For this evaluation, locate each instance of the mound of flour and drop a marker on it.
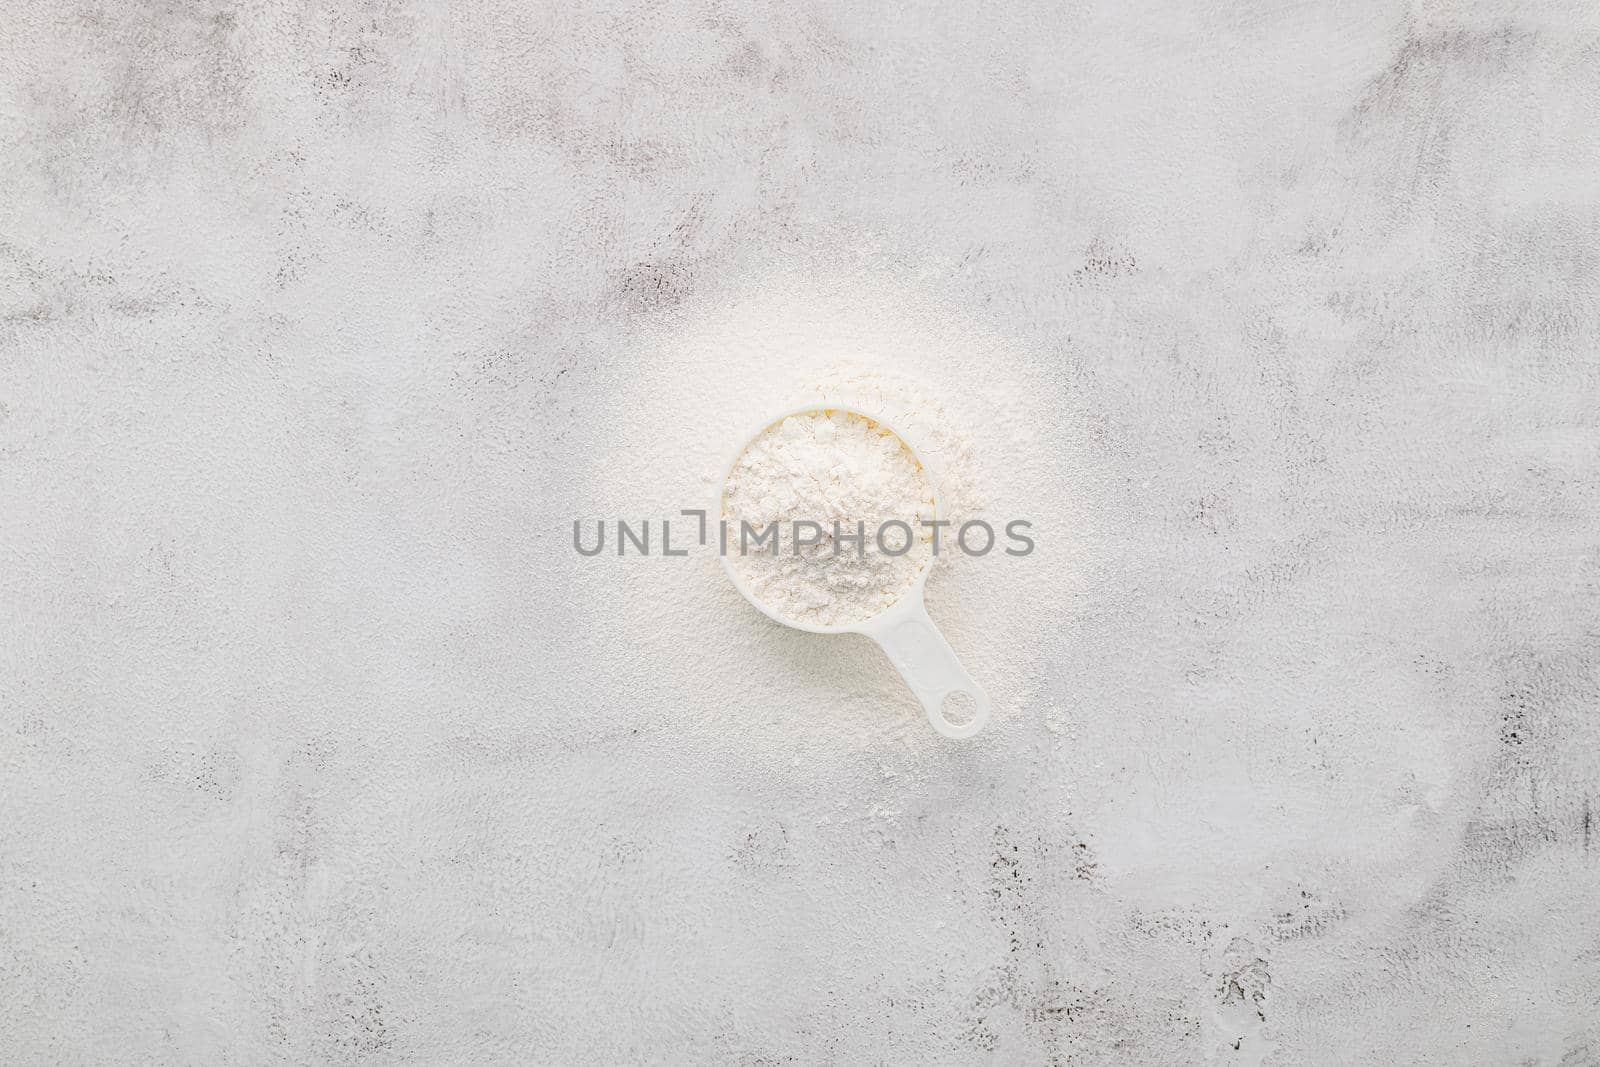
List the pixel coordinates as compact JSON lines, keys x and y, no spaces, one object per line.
{"x":822,"y":467}
{"x":939,"y":434}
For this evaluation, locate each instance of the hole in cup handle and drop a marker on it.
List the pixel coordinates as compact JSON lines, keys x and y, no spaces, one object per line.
{"x":969,"y":724}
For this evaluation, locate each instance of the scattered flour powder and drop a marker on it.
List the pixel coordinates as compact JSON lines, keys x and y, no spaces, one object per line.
{"x":827,"y":466}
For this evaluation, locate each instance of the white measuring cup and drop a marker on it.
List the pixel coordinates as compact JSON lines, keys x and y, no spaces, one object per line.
{"x":903,"y":629}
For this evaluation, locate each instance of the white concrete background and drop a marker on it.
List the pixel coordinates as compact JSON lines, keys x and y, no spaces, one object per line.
{"x":322,"y":321}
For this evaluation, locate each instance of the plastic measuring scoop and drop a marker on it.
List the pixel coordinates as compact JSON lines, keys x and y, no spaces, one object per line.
{"x":903,"y":629}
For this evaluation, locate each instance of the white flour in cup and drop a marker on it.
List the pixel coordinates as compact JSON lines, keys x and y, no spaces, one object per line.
{"x":827,"y":467}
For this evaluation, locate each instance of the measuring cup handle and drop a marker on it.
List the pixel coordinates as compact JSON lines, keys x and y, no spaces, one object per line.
{"x":929,"y":665}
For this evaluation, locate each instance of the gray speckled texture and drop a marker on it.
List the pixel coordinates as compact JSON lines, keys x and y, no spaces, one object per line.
{"x":319,"y":322}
